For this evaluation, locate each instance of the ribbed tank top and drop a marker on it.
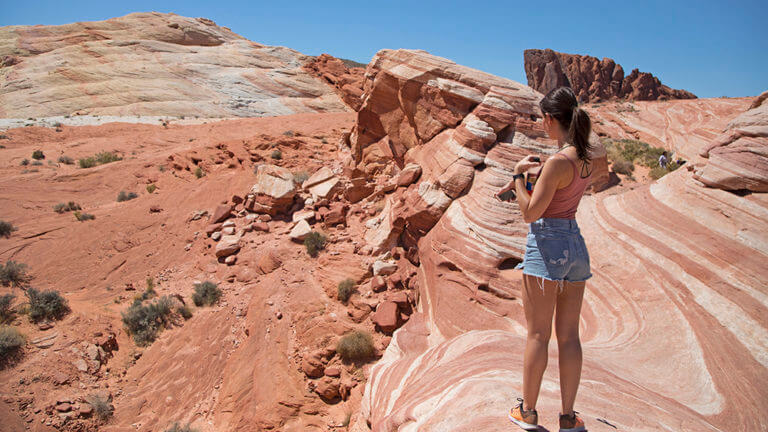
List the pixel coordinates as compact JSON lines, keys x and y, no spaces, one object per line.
{"x":566,"y":200}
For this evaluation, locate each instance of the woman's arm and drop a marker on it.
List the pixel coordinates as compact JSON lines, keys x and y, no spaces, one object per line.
{"x":533,"y":206}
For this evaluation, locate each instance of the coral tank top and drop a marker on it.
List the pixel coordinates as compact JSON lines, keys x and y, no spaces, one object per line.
{"x":566,"y":200}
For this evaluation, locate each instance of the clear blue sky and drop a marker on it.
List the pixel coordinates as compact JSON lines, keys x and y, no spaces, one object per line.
{"x":712,"y":48}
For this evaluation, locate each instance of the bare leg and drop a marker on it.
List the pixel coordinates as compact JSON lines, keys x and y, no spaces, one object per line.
{"x":568,"y":342}
{"x":539,"y":306}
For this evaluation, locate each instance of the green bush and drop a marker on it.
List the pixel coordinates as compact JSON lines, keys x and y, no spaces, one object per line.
{"x":288,"y":133}
{"x":145,"y":321}
{"x":6,"y":228}
{"x":659,"y":172}
{"x":345,"y":290}
{"x":101,"y":406}
{"x":36,"y":163}
{"x":126,"y":196}
{"x":47,"y":304}
{"x":314,"y":242}
{"x":13,"y":274}
{"x":11,"y":340}
{"x":277,"y":154}
{"x":355,"y":346}
{"x":300,"y":177}
{"x":84,"y":216}
{"x":199,"y":172}
{"x":151,"y":188}
{"x":184,"y":311}
{"x":37,"y":155}
{"x":70,"y":206}
{"x":6,"y":308}
{"x":622,"y":166}
{"x":25,"y":162}
{"x":66,"y":160}
{"x":178,"y":428}
{"x":206,"y":294}
{"x":99,"y":159}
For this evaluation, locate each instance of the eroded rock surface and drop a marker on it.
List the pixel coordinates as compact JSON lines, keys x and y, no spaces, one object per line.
{"x":593,"y":79}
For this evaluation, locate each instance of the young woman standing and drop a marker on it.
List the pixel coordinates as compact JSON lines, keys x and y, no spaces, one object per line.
{"x":556,"y":263}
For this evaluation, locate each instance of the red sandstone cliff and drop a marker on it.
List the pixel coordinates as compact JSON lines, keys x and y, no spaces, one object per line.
{"x":593,"y":79}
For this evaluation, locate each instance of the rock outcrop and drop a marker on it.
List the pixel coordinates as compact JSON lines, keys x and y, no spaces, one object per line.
{"x":347,"y":81}
{"x":738,"y":159}
{"x":592,"y":79}
{"x":153,"y":64}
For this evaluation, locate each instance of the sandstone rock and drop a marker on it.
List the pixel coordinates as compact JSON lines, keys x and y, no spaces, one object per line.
{"x":336,"y":215}
{"x":212,"y":228}
{"x":333,"y":372}
{"x":260,"y":226}
{"x":306,"y":215}
{"x":347,"y":81}
{"x":230,"y":260}
{"x":328,"y":389}
{"x":244,"y":274}
{"x":274,"y":190}
{"x":234,"y":77}
{"x":409,"y":174}
{"x":326,"y":189}
{"x":387,"y":316}
{"x":592,"y":79}
{"x":228,"y":224}
{"x":358,"y":189}
{"x":312,"y":366}
{"x":383,"y":268}
{"x":228,"y":245}
{"x":378,"y":284}
{"x":216,"y":236}
{"x":321,"y":175}
{"x":64,"y":407}
{"x":228,"y":231}
{"x":221,"y":213}
{"x":300,"y":231}
{"x":267,"y":262}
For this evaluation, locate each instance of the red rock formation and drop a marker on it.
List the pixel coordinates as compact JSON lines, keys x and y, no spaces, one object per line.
{"x":347,"y":81}
{"x":593,"y":79}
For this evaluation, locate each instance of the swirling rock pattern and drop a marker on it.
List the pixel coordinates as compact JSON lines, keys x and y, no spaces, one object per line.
{"x":674,"y":320}
{"x":152,"y":64}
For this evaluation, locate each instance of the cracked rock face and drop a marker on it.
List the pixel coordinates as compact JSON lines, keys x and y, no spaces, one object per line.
{"x":153,"y":64}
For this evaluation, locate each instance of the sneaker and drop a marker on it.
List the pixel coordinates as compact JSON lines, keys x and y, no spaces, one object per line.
{"x":571,"y":423}
{"x":528,"y":420}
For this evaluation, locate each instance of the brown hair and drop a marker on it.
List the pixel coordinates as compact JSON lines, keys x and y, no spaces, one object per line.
{"x":561,"y":104}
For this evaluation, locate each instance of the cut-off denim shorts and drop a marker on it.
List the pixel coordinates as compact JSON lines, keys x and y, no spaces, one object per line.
{"x":555,"y":251}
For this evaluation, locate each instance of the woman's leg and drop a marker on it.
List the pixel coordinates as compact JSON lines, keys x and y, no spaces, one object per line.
{"x":568,"y":343}
{"x":539,"y":305}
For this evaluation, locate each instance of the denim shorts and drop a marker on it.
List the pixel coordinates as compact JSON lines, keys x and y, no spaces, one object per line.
{"x":555,"y":250}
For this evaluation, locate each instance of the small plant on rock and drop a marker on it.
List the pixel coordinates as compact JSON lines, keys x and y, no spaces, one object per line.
{"x":151,"y":188}
{"x":82,"y":217}
{"x":24,"y":162}
{"x":355,"y":346}
{"x":101,"y":406}
{"x":300,"y":177}
{"x":345,"y":290}
{"x":126,"y":196}
{"x":288,"y":133}
{"x":145,"y":321}
{"x":276,"y":154}
{"x":6,"y":308}
{"x":206,"y":294}
{"x":622,"y":166}
{"x":47,"y":304}
{"x":66,"y":160}
{"x":37,"y":155}
{"x":199,"y":172}
{"x":11,"y":341}
{"x":70,"y":206}
{"x":6,"y":228}
{"x":314,"y":242}
{"x":13,"y":274}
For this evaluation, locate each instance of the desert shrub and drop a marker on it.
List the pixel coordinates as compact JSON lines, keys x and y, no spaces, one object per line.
{"x":151,"y":188}
{"x":345,"y":290}
{"x":70,"y":206}
{"x":314,"y":242}
{"x":357,"y":345}
{"x":276,"y":154}
{"x":206,"y":294}
{"x":36,"y":163}
{"x":144,"y":321}
{"x":288,"y":133}
{"x":6,"y":228}
{"x":199,"y":172}
{"x":6,"y":308}
{"x":324,"y":141}
{"x":101,"y":406}
{"x":84,"y":216}
{"x":48,"y":304}
{"x":100,"y":158}
{"x":57,"y":125}
{"x":161,"y":168}
{"x":37,"y":155}
{"x":184,"y":311}
{"x":88,"y":162}
{"x":126,"y":196}
{"x":622,"y":166}
{"x":300,"y":177}
{"x":13,"y":274}
{"x":66,"y":160}
{"x":24,"y":162}
{"x":11,"y":340}
{"x":658,"y":172}
{"x":178,"y":428}
{"x":3,"y":136}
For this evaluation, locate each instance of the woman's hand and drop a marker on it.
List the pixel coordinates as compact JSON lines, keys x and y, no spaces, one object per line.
{"x":527,"y":163}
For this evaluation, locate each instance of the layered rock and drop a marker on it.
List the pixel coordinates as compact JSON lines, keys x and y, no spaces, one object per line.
{"x":273,"y":192}
{"x":593,"y":79}
{"x":738,"y":159}
{"x":152,"y":64}
{"x":347,"y":81}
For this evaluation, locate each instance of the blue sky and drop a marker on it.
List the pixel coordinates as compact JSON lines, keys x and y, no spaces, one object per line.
{"x":712,"y":48}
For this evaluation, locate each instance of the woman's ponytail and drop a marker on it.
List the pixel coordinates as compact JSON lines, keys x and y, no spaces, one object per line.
{"x":561,"y":103}
{"x":578,"y":132}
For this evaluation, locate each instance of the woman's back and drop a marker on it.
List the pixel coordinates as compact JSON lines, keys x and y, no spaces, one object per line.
{"x":566,"y":200}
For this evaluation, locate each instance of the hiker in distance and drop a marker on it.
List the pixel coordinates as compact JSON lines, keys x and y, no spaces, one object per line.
{"x":556,"y":263}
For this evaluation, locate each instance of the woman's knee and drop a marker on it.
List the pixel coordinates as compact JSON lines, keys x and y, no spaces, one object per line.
{"x":568,"y":337}
{"x":539,"y":335}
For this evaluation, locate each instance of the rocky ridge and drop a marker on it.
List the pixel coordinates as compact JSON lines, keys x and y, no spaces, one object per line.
{"x":592,"y":79}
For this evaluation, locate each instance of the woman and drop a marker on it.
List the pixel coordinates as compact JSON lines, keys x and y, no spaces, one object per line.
{"x":556,"y":263}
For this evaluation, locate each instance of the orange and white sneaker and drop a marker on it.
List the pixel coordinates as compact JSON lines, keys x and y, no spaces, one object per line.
{"x":528,"y":420}
{"x":571,"y":423}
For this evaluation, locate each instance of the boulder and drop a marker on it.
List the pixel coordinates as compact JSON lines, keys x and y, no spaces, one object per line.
{"x":381,"y":267}
{"x":337,"y":214}
{"x":387,"y":316}
{"x":312,"y":366}
{"x":409,"y":174}
{"x":274,"y":190}
{"x":321,"y":175}
{"x":228,"y":245}
{"x":210,"y":229}
{"x":378,"y":284}
{"x":328,"y":389}
{"x":306,"y":215}
{"x":221,"y":213}
{"x":300,"y":231}
{"x":358,"y":189}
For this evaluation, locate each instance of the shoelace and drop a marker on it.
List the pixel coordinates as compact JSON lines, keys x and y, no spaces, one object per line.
{"x":520,"y":400}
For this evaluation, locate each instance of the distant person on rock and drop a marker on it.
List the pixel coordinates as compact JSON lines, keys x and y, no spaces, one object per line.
{"x":663,"y":160}
{"x":556,"y":263}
